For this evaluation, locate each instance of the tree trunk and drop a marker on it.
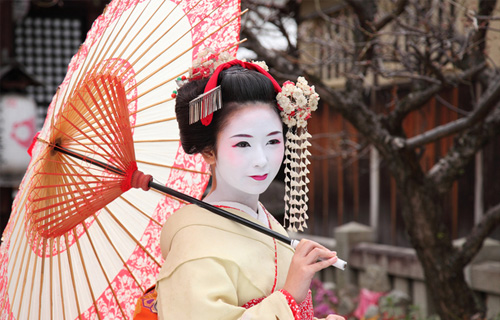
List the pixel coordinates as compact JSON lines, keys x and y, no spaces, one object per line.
{"x":445,"y":281}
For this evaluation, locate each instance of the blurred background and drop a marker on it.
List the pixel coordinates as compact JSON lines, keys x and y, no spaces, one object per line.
{"x":405,"y":147}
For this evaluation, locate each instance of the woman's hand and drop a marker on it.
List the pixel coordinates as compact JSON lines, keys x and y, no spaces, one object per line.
{"x":309,"y":258}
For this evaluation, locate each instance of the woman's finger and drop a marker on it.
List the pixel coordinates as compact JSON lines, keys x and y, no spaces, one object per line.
{"x":306,"y":245}
{"x":312,"y":251}
{"x":321,"y":254}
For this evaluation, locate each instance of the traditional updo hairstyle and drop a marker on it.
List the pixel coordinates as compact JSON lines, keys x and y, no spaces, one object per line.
{"x":239,"y":86}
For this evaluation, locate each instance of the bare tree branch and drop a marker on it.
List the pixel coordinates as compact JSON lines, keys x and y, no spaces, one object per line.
{"x":416,"y":100}
{"x":488,"y":101}
{"x":351,"y":107}
{"x":476,"y":237}
{"x":449,"y":168}
{"x":389,"y":17}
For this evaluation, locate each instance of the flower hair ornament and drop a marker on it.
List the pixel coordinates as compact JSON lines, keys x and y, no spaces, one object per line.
{"x":296,"y":101}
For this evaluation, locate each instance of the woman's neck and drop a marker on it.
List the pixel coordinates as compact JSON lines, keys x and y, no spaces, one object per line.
{"x":220,"y":195}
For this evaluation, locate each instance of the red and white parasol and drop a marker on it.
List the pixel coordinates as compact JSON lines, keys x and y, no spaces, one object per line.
{"x":80,"y":242}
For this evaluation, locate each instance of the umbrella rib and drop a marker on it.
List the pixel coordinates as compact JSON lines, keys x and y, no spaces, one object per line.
{"x":60,"y":275}
{"x":103,"y":270}
{"x":81,"y":157}
{"x":141,"y":211}
{"x":171,"y":167}
{"x":170,"y":196}
{"x":24,"y":197}
{"x":110,"y":126}
{"x":68,"y":183}
{"x":24,"y":280}
{"x":177,"y":40}
{"x":64,"y":174}
{"x":73,"y":199}
{"x":102,"y":53}
{"x":41,"y":278}
{"x":56,"y":225}
{"x":131,"y":236}
{"x":33,"y":277}
{"x":98,"y":163}
{"x":72,"y":274}
{"x":51,"y":282}
{"x":135,"y":36}
{"x":146,"y":37}
{"x":159,"y":102}
{"x":120,"y":31}
{"x":125,"y":135}
{"x":153,"y":122}
{"x":24,"y":251}
{"x":178,"y":75}
{"x":96,"y":54}
{"x":157,"y":140}
{"x":94,"y":302}
{"x":93,"y":141}
{"x":182,"y":53}
{"x":117,"y":252}
{"x":160,"y":37}
{"x":95,"y":162}
{"x":114,"y":125}
{"x":89,"y":108}
{"x":15,"y":243}
{"x":89,"y":125}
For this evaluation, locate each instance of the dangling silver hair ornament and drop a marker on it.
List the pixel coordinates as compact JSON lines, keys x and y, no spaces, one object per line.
{"x":297,"y":101}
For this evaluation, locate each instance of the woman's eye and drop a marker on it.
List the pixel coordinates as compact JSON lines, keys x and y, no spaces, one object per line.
{"x":274,"y":141}
{"x":242,"y":144}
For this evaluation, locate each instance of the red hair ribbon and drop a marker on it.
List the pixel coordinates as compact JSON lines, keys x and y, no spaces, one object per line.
{"x":212,"y":82}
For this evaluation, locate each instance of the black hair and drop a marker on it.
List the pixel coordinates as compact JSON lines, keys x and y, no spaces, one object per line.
{"x":239,"y":86}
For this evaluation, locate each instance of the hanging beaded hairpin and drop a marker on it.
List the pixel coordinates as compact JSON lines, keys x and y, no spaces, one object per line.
{"x":296,"y":102}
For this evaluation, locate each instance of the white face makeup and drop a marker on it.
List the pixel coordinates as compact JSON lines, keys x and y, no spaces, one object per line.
{"x":249,"y":153}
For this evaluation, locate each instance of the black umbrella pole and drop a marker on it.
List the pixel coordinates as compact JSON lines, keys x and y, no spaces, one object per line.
{"x":221,"y":212}
{"x":340,"y":264}
{"x":185,"y":197}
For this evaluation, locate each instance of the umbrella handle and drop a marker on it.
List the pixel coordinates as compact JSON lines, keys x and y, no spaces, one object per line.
{"x":340,"y":264}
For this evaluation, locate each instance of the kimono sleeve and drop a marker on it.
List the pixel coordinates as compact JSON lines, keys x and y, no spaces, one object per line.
{"x":206,"y":289}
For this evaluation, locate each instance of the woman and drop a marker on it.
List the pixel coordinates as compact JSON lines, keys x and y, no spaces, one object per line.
{"x":215,"y":268}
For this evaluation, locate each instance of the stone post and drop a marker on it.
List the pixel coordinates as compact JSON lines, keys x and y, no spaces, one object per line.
{"x":347,"y":237}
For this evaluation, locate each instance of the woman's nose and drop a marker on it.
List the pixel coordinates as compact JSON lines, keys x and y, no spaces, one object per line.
{"x":260,"y":158}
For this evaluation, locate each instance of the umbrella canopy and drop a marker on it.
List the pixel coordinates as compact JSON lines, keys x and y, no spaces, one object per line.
{"x":80,"y":242}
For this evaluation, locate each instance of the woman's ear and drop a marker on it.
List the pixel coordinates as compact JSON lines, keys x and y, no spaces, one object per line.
{"x":209,"y":156}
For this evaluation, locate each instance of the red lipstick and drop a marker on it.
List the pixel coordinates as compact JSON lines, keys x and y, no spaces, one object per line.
{"x":259,"y":178}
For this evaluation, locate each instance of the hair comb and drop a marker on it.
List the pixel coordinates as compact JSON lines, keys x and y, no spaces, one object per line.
{"x":205,"y":104}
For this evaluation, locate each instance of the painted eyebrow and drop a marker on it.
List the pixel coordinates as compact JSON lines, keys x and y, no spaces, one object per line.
{"x":274,"y":133}
{"x":250,"y":136}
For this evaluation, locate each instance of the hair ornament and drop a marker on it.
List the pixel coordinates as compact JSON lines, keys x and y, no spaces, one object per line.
{"x":206,"y":110}
{"x":296,"y":102}
{"x":207,"y":61}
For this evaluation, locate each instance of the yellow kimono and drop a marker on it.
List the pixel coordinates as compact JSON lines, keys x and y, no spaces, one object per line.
{"x":214,"y":266}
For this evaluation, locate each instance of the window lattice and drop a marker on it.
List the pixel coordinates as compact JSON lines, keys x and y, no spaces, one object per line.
{"x":45,"y":47}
